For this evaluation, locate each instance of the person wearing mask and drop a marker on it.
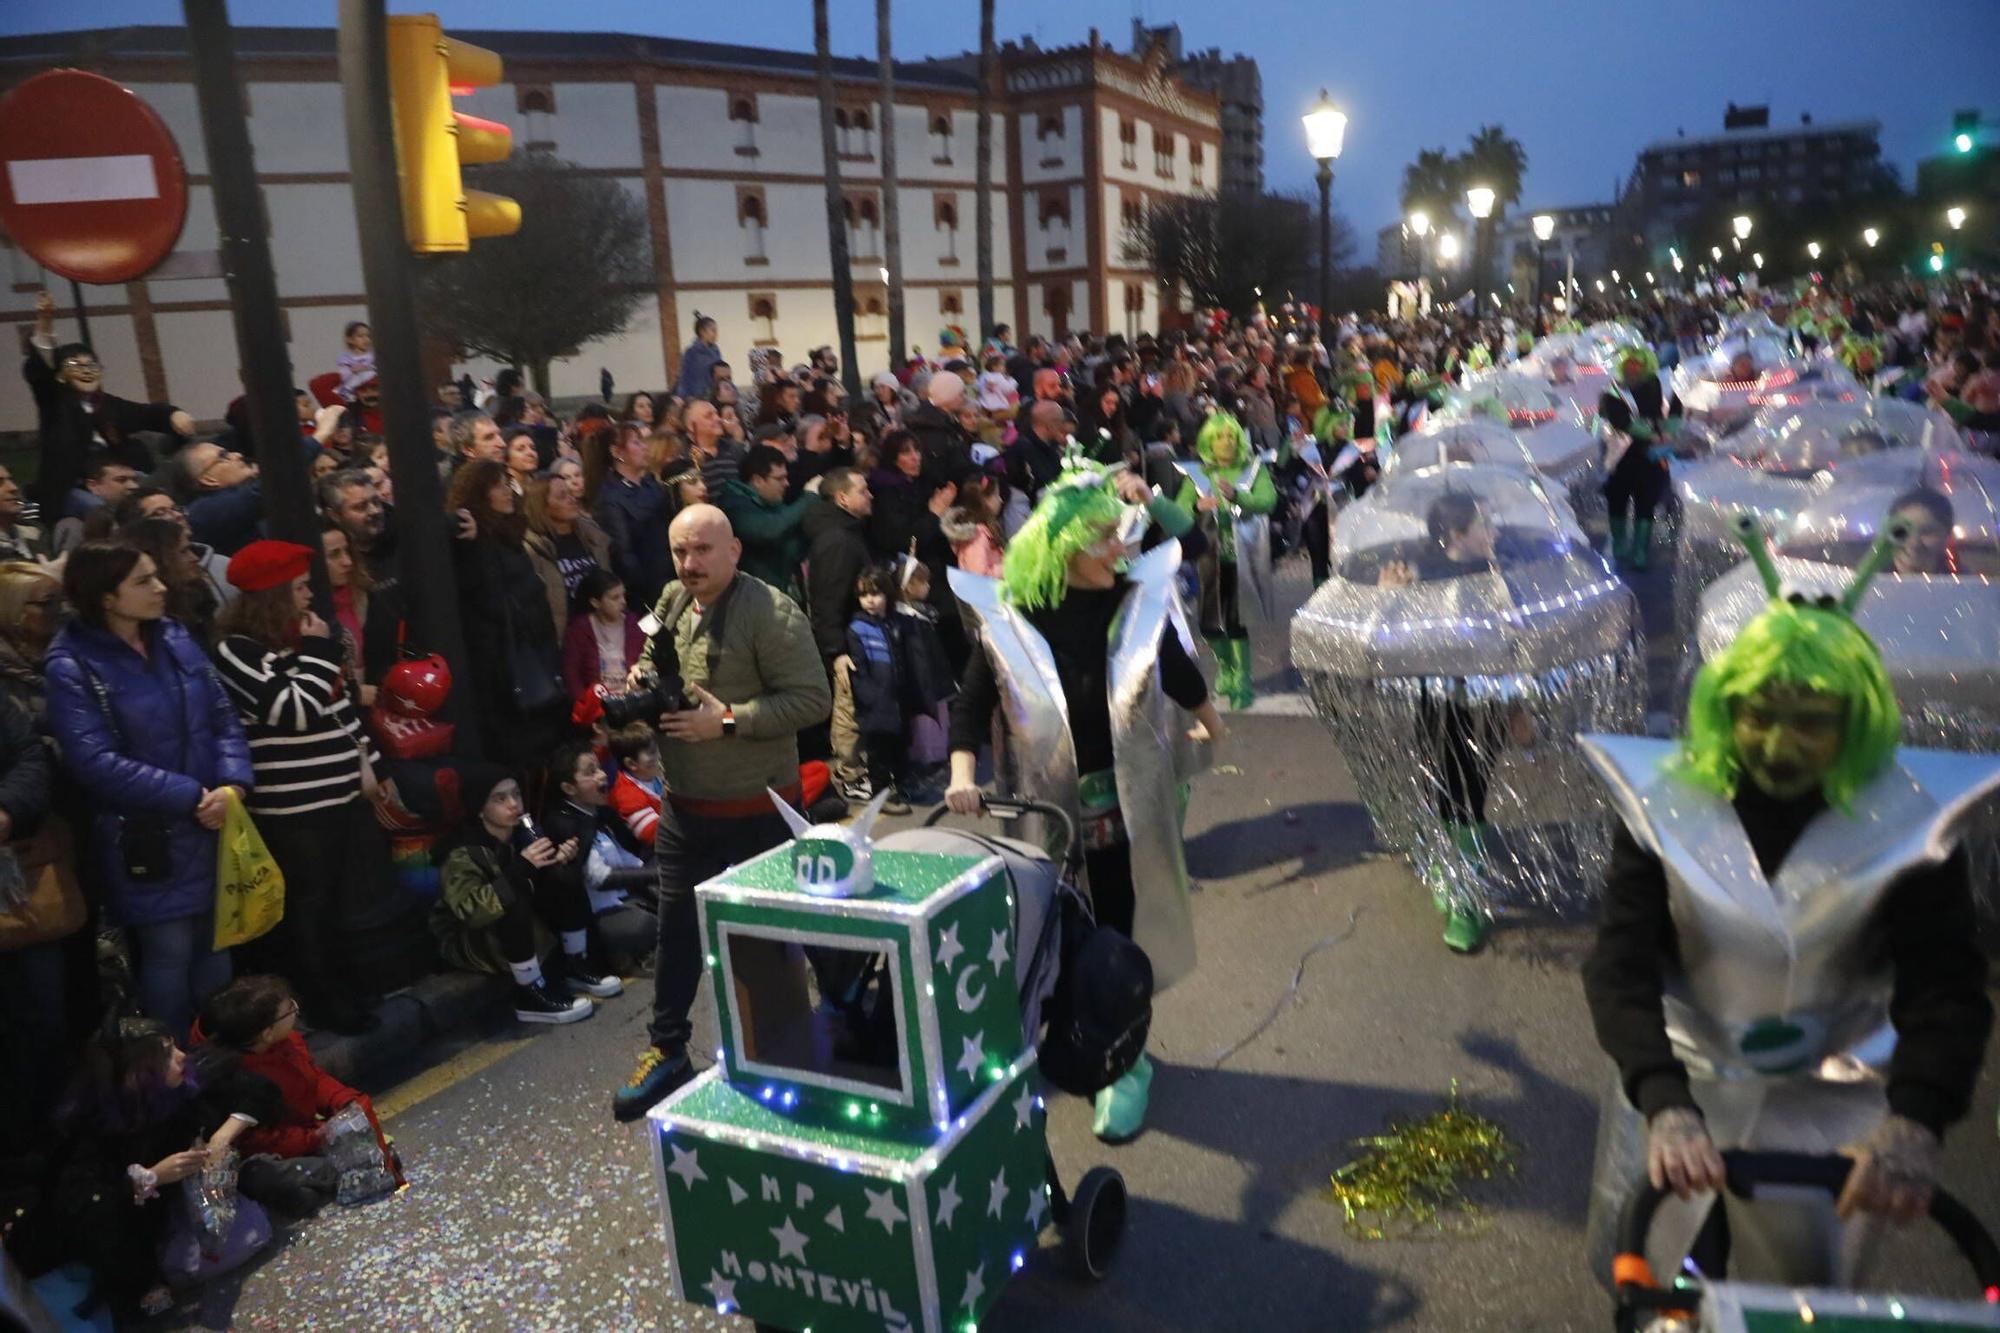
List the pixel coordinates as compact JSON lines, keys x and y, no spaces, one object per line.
{"x":564,"y":542}
{"x":631,"y":508}
{"x":839,"y":552}
{"x":753,"y":681}
{"x":144,"y":724}
{"x":315,"y":770}
{"x":770,"y":527}
{"x":511,"y":635}
{"x":698,"y":360}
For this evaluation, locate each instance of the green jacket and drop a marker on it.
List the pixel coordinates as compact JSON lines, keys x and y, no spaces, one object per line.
{"x":774,"y":543}
{"x":1260,"y":497}
{"x":472,"y":899}
{"x":766,"y":668}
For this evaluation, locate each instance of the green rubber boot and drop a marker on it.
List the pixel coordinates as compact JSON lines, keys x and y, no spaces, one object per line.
{"x":1464,"y":930}
{"x":1642,"y":541}
{"x":1121,"y":1108}
{"x":1246,"y":672}
{"x":1621,"y":537}
{"x":1225,"y":670}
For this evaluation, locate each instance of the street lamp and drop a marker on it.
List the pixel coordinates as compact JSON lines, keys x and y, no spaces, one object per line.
{"x":1757,"y":259}
{"x":1740,"y":224}
{"x":1715,"y":253}
{"x":1812,"y":249}
{"x":1479,"y":199}
{"x":1420,"y":227}
{"x":1871,"y":236}
{"x":1326,"y":131}
{"x":1448,"y":247}
{"x":1955,"y":216}
{"x":1545,"y":227}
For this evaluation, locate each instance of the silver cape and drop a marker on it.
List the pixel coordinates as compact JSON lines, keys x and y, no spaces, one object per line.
{"x":1253,"y":537}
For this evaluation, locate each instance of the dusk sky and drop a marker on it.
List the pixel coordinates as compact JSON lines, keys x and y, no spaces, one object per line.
{"x":1581,"y":83}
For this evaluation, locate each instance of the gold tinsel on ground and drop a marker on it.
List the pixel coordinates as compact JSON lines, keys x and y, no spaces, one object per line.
{"x":1408,"y":1179}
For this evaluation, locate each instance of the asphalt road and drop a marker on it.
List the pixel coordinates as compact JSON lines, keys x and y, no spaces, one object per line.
{"x":1324,"y":1003}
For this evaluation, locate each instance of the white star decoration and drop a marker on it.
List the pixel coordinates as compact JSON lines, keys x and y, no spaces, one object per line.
{"x":724,"y":1289}
{"x":1024,"y":1107}
{"x":997,"y":1198}
{"x":737,"y":1194}
{"x":836,"y":1221}
{"x":948,"y":947}
{"x":996,"y":952}
{"x":975,"y":1287}
{"x":790,"y":1240}
{"x":1038,"y":1207}
{"x":969,"y":1059}
{"x":686,"y":1167}
{"x":882,"y":1207}
{"x":948,"y":1202}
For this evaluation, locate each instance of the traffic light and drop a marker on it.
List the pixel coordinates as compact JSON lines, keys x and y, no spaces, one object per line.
{"x":1937,"y":257}
{"x":1964,"y":130}
{"x":433,"y":142}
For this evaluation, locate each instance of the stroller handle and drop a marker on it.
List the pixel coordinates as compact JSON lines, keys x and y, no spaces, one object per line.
{"x":1749,"y":1171}
{"x":1007,"y":808}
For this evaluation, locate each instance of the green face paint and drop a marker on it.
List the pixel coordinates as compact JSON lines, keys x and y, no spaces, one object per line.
{"x":1788,"y":738}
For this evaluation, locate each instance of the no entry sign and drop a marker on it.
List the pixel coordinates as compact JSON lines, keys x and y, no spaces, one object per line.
{"x":93,"y":185}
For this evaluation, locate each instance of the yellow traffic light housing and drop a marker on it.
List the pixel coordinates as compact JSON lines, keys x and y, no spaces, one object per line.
{"x":434,"y":142}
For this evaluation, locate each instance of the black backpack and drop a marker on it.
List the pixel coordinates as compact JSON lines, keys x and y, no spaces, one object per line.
{"x":1102,"y":1007}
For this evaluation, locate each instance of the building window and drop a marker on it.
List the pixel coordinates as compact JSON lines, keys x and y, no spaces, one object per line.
{"x":1128,"y":142}
{"x":864,"y":227}
{"x":764,"y":317}
{"x":1055,"y":225}
{"x":1049,"y":125}
{"x":944,"y":214}
{"x":743,"y":114}
{"x":951,"y":301}
{"x":1195,"y":162}
{"x":753,"y":218}
{"x":1132,"y":212}
{"x":941,"y":139}
{"x":1690,"y":180}
{"x":862,"y":143}
{"x":532,"y":99}
{"x":1055,"y":304}
{"x":871,"y":314}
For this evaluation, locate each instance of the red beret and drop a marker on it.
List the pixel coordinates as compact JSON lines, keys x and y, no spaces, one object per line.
{"x":268,"y":564}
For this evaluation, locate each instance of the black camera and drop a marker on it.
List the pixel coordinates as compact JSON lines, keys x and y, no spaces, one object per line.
{"x":644,"y":702}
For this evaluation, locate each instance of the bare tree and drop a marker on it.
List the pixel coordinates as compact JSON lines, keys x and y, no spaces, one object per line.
{"x":581,"y":263}
{"x":982,"y":208}
{"x":892,"y":211}
{"x":1225,"y":253}
{"x":836,"y":207}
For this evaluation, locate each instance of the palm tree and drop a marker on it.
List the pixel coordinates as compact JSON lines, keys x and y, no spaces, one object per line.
{"x":836,"y":208}
{"x":982,"y":207}
{"x":1431,"y":185}
{"x":892,"y":226}
{"x":1498,"y":162}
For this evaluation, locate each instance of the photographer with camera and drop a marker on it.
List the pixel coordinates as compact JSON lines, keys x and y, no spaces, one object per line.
{"x":731,"y":672}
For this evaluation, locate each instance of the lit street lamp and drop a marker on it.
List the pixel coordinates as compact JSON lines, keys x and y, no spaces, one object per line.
{"x":1955,"y":216}
{"x":1420,"y":227}
{"x":1715,"y":253}
{"x":1871,"y":236}
{"x":1326,"y":131}
{"x":1740,"y":224}
{"x":1545,"y":227}
{"x":1479,"y":200}
{"x":1448,"y":248}
{"x":1812,"y":249}
{"x":1757,"y":259}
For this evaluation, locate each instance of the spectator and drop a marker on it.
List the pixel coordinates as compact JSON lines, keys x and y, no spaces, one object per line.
{"x":733,"y":430}
{"x":349,"y":498}
{"x":934,"y":422}
{"x":880,"y":681}
{"x":356,"y":362}
{"x":906,"y":506}
{"x":511,"y":638}
{"x":746,"y":656}
{"x":106,"y":481}
{"x":474,"y":435}
{"x":152,"y":502}
{"x":564,"y":542}
{"x":370,"y":615}
{"x":78,"y":420}
{"x":604,"y":871}
{"x":838,"y":531}
{"x":770,"y":527}
{"x":521,"y":457}
{"x":18,"y":540}
{"x":884,"y":407}
{"x":632,"y":507}
{"x":717,"y":456}
{"x":603,"y":639}
{"x":143,"y":723}
{"x":1100,"y":426}
{"x":972,"y":527}
{"x":190,"y":599}
{"x":31,"y":611}
{"x":637,"y":793}
{"x":1034,"y":461}
{"x":779,"y":406}
{"x":35,"y":1045}
{"x":124,"y":1130}
{"x":641,"y":409}
{"x":685,"y":486}
{"x":222,"y":498}
{"x":998,"y":392}
{"x":499,"y":905}
{"x":696,"y":361}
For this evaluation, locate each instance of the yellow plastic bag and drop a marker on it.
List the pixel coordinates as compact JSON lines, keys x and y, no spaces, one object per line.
{"x":249,"y":887}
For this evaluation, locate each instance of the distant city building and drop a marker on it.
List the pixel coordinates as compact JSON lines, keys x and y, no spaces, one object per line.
{"x":722,"y":143}
{"x":1240,"y":86}
{"x":1583,"y":236}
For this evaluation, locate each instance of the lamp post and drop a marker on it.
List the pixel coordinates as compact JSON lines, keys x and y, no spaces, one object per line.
{"x":1545,"y":227}
{"x":1479,"y":199}
{"x":1955,"y":216}
{"x":1715,"y":253}
{"x":1812,"y":249}
{"x":1870,"y":235}
{"x":1326,"y":131}
{"x":1420,"y":227}
{"x":1448,"y":248}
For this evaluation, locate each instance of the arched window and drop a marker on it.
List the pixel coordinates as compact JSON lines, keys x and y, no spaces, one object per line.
{"x":754,"y":219}
{"x":743,"y":114}
{"x":945,"y":213}
{"x":941,"y":139}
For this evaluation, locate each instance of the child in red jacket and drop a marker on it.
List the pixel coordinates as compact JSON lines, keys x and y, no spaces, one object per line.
{"x":286,"y":1163}
{"x":639,"y":789}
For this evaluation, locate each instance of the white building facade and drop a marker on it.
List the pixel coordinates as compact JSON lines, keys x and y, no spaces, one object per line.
{"x":722,"y":145}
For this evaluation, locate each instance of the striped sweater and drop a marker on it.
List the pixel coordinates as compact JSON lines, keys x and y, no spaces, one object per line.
{"x":300,"y":718}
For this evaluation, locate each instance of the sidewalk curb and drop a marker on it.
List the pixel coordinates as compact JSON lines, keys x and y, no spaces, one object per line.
{"x":447,"y":1004}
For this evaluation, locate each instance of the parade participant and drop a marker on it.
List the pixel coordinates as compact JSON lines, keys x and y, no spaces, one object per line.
{"x":1786,"y":899}
{"x":1063,"y":614}
{"x":1636,"y":465}
{"x":1238,"y":527}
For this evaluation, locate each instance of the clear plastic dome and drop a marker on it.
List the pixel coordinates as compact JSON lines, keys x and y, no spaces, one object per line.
{"x":1524,"y":401}
{"x":1751,"y":324}
{"x":1452,"y":522}
{"x":1951,"y":500}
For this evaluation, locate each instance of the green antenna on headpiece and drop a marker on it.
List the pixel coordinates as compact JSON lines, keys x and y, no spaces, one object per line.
{"x":1751,"y":534}
{"x":1894,"y":535}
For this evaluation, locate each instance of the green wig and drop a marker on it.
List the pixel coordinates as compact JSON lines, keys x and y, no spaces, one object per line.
{"x":1332,"y":423}
{"x":1636,"y":352}
{"x":1853,"y":345}
{"x":1803,"y":645}
{"x":1075,"y":513}
{"x":1218,"y":427}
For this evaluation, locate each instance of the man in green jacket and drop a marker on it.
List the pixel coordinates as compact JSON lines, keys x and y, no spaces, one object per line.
{"x":753,"y":680}
{"x":774,"y":541}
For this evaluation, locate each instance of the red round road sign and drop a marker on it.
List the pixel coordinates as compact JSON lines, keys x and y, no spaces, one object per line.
{"x":91,"y":181}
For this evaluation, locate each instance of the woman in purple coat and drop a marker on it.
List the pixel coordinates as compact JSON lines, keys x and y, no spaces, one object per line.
{"x":146,"y":728}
